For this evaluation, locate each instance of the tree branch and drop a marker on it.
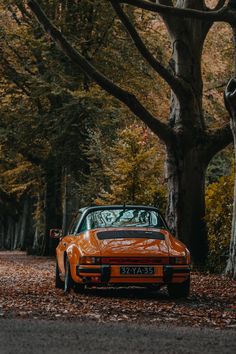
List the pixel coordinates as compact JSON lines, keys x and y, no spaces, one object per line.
{"x":172,"y":81}
{"x":220,"y":4}
{"x":224,"y":14}
{"x":11,"y":73}
{"x":230,"y":100}
{"x":166,"y":3}
{"x":163,"y":2}
{"x":217,"y":141}
{"x":162,"y":130}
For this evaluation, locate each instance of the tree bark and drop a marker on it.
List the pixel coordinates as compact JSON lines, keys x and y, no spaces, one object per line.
{"x":70,"y":199}
{"x":231,"y":264}
{"x":24,"y":224}
{"x":1,"y":235}
{"x":230,"y":102}
{"x":186,"y":165}
{"x":186,"y":205}
{"x":52,"y":204}
{"x":9,"y":233}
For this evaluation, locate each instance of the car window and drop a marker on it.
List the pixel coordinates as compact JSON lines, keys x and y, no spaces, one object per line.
{"x":122,"y":218}
{"x":73,"y":227}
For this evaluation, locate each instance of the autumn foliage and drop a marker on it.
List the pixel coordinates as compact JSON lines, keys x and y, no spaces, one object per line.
{"x":65,"y":143}
{"x":27,"y":291}
{"x":219,"y":203}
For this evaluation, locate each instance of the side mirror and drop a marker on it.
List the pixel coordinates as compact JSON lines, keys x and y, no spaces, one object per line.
{"x":55,"y":233}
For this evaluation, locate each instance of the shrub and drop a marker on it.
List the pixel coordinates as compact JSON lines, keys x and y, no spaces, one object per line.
{"x":219,"y":204}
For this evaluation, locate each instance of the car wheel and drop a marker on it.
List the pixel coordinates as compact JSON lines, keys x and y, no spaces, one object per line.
{"x":180,"y":290}
{"x":59,"y":284}
{"x":68,"y":283}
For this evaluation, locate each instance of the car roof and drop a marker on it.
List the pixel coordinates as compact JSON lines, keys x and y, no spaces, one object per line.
{"x":121,"y":206}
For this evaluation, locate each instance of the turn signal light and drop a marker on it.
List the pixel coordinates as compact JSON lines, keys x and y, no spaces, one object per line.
{"x":178,"y":260}
{"x":90,"y":260}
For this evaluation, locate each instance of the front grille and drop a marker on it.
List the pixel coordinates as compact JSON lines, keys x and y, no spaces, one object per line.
{"x":135,"y":260}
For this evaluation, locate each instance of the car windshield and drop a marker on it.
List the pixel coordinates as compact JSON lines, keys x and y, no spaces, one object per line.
{"x":122,"y":218}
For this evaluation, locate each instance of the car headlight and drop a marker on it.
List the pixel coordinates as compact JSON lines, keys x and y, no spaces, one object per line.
{"x":178,"y":260}
{"x":90,"y":260}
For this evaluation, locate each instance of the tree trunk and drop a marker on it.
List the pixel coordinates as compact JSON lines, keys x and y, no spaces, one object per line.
{"x":2,"y":233}
{"x":231,"y":264}
{"x":35,"y":249}
{"x":16,"y":242}
{"x":52,"y":204}
{"x":70,"y":199}
{"x":10,"y":233}
{"x":186,"y":207}
{"x":24,"y":224}
{"x":230,"y":102}
{"x":185,"y":166}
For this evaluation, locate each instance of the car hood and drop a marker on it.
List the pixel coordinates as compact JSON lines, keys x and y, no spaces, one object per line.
{"x":128,"y":242}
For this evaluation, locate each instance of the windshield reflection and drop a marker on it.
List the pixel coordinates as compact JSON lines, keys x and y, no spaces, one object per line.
{"x":122,"y":218}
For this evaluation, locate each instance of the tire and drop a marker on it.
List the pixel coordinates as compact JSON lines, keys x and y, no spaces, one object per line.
{"x":59,"y":284}
{"x":181,"y":290}
{"x":68,"y":283}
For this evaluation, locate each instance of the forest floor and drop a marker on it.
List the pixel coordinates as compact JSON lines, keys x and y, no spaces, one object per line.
{"x":27,"y":291}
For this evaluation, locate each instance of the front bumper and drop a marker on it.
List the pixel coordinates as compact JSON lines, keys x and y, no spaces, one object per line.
{"x":104,"y":274}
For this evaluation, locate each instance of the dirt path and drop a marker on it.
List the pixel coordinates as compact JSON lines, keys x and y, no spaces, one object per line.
{"x":27,"y":291}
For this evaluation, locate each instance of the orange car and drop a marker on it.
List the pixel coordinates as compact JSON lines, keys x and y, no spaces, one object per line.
{"x":121,"y":245}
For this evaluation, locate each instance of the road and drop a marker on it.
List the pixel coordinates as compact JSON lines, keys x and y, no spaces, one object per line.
{"x":43,"y":336}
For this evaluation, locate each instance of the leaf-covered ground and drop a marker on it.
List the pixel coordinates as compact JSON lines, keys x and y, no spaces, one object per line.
{"x":27,"y":291}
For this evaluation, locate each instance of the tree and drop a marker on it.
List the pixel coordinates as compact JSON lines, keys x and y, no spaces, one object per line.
{"x":230,"y":102}
{"x":189,"y":142}
{"x":50,"y":109}
{"x":134,"y":169}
